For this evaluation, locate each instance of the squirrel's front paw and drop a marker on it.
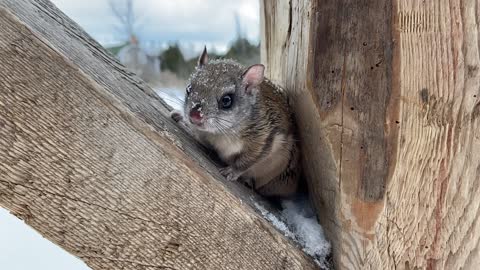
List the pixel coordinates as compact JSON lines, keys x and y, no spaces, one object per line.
{"x":176,"y":115}
{"x":230,"y":173}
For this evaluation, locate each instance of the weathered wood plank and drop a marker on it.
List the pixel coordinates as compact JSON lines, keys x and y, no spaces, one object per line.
{"x":89,"y":158}
{"x":390,"y":92}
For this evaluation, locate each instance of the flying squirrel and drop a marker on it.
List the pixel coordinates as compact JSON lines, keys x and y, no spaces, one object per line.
{"x":247,"y":121}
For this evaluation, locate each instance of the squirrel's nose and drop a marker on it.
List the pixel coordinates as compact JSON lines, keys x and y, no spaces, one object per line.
{"x":196,"y":115}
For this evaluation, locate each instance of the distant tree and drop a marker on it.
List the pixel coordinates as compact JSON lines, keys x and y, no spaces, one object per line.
{"x":241,"y":49}
{"x":172,"y":59}
{"x":244,"y":52}
{"x":127,"y":20}
{"x":130,"y":53}
{"x":238,"y":26}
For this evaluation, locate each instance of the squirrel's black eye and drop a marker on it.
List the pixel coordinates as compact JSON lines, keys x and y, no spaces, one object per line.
{"x":226,"y":101}
{"x":189,"y":89}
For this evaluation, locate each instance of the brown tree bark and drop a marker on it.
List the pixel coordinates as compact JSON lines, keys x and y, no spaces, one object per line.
{"x":90,"y":159}
{"x":388,"y":104}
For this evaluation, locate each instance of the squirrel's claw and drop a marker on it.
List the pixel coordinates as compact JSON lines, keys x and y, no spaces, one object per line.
{"x":230,"y":173}
{"x":176,"y":115}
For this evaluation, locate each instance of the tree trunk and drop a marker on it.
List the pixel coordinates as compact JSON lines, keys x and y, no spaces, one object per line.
{"x":388,"y":105}
{"x":90,"y":159}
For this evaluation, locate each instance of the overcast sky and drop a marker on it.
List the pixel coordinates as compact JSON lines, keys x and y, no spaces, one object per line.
{"x":22,"y":248}
{"x":193,"y":22}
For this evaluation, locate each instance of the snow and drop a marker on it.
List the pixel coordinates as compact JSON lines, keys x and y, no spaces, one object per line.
{"x":298,"y":222}
{"x":276,"y":222}
{"x":301,"y":218}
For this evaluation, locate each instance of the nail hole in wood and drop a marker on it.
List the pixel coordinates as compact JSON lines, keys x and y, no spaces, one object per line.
{"x":424,"y":95}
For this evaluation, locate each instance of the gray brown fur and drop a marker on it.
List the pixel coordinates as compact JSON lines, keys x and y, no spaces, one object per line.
{"x":256,"y":138}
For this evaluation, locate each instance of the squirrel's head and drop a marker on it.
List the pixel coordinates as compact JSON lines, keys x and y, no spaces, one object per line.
{"x":221,"y":94}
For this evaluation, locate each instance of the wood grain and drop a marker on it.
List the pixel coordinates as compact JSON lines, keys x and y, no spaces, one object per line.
{"x":390,"y":95}
{"x":90,"y":159}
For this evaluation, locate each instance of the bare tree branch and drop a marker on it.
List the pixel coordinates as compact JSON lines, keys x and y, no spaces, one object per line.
{"x":127,"y":20}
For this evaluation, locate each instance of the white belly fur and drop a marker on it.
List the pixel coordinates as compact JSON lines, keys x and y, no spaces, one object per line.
{"x":226,"y":146}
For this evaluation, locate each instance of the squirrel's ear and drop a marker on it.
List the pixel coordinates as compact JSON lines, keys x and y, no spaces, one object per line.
{"x":203,"y":59}
{"x":253,"y":76}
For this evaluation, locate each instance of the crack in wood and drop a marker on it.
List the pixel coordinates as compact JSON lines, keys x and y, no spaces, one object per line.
{"x":342,"y":85}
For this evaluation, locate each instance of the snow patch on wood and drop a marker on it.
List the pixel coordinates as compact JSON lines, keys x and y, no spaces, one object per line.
{"x":298,"y":222}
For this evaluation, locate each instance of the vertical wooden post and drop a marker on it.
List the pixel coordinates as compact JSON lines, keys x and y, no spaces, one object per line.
{"x":388,"y":103}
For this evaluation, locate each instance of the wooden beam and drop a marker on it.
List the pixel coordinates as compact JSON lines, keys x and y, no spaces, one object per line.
{"x":90,"y":159}
{"x":389,"y":93}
